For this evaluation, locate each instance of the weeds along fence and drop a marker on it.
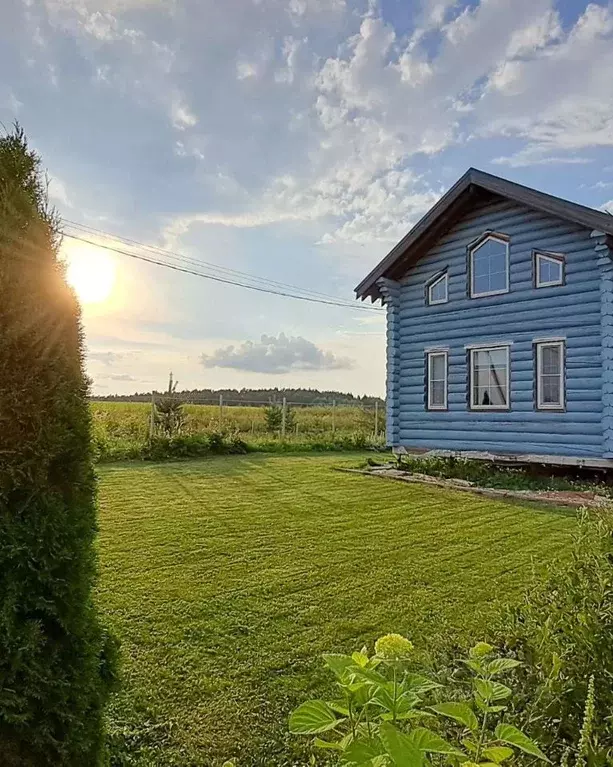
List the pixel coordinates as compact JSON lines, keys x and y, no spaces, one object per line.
{"x":139,"y":422}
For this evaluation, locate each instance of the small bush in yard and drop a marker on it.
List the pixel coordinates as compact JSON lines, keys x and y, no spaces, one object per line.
{"x":388,"y":714}
{"x":56,"y":660}
{"x":563,"y":632}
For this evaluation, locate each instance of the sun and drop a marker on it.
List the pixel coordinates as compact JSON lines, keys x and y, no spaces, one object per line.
{"x":91,"y":272}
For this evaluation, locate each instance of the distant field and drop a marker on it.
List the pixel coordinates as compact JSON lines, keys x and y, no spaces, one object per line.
{"x":127,"y":423}
{"x":226,"y":579}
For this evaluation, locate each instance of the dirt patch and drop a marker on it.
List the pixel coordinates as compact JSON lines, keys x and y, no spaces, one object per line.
{"x":571,"y":498}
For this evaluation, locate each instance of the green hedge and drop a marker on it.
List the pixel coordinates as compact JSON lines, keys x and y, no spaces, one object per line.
{"x":56,"y":660}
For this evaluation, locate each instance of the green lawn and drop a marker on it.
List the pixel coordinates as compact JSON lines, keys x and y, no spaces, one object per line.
{"x":227,"y":578}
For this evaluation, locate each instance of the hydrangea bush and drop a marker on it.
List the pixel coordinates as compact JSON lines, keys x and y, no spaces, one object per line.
{"x":387,"y":714}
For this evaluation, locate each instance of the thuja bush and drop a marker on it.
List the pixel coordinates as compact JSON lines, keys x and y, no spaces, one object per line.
{"x":56,"y":660}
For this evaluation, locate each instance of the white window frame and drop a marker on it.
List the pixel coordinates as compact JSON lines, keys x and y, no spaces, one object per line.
{"x":434,"y":283}
{"x":540,"y":405}
{"x":539,"y":256}
{"x":471,"y":378}
{"x":471,"y":254}
{"x":430,"y":355}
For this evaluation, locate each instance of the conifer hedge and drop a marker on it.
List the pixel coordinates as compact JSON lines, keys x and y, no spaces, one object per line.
{"x":56,"y":660}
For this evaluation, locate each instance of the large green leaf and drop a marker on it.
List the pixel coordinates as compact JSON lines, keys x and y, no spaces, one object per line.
{"x":339,"y":706}
{"x":429,"y":741}
{"x":514,"y":737}
{"x":492,"y":691}
{"x":362,"y":750}
{"x":399,"y":746}
{"x":331,"y":745}
{"x":383,"y":697}
{"x":497,"y":753}
{"x":461,"y":712}
{"x":313,"y":717}
{"x":500,"y":665}
{"x":418,"y":683}
{"x":370,"y":675}
{"x":360,"y":658}
{"x":339,"y":665}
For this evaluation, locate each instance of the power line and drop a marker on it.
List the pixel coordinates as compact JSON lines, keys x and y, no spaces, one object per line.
{"x":224,"y":274}
{"x":200,"y":262}
{"x":223,"y":280}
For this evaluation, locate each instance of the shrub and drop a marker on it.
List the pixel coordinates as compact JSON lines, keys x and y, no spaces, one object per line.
{"x":169,"y":416}
{"x":56,"y":660}
{"x":384,"y":704}
{"x":273,"y":416}
{"x":562,"y":631}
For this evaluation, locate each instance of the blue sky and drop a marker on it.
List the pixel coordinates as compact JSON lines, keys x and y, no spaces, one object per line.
{"x":295,"y":139}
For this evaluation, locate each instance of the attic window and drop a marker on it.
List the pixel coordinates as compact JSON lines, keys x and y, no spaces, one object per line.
{"x":548,"y":269}
{"x":437,"y":290}
{"x":489,"y":266}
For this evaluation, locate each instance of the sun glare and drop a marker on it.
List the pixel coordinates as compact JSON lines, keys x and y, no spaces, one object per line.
{"x":91,"y":272}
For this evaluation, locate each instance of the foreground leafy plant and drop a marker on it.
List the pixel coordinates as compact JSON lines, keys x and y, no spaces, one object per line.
{"x":378,"y":719}
{"x":561,"y":631}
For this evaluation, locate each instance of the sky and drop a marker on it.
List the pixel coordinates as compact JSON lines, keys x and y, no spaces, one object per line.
{"x":297,"y":140}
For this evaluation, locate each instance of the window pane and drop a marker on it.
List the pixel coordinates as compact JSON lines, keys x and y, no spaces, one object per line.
{"x":550,"y":375}
{"x":489,"y":267}
{"x":550,"y":390}
{"x":489,"y":377}
{"x":438,"y":291}
{"x":437,"y":367}
{"x":437,"y":383}
{"x":550,"y":360}
{"x":437,"y":394}
{"x":549,"y":270}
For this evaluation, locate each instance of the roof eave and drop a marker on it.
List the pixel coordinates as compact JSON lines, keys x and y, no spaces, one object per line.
{"x":587,"y":217}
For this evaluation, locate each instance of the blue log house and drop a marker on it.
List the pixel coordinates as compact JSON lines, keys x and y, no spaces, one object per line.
{"x":500,"y":327}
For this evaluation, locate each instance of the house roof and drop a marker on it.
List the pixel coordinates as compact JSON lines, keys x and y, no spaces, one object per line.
{"x":474,"y":186}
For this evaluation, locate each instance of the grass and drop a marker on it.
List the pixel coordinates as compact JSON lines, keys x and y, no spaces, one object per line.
{"x":227,"y":578}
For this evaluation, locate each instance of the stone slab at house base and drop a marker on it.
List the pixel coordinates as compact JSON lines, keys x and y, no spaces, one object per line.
{"x":571,"y":498}
{"x":510,"y":459}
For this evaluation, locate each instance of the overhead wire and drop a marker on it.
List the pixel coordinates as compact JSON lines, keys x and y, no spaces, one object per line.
{"x":216,"y":278}
{"x":223,"y":274}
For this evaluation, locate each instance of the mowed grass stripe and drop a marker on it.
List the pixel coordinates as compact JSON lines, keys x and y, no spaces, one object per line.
{"x":227,"y":578}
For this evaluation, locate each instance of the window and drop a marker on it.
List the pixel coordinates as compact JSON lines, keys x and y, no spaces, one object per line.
{"x":548,"y":269}
{"x":436,"y":380}
{"x":489,"y":267}
{"x":550,"y":375}
{"x":437,"y":290}
{"x":489,"y":378}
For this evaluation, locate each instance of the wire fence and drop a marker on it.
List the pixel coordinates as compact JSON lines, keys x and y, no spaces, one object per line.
{"x":280,"y":417}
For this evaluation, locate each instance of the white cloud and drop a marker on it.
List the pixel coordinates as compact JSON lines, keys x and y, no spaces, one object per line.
{"x":180,"y":114}
{"x":58,"y":193}
{"x":276,"y":355}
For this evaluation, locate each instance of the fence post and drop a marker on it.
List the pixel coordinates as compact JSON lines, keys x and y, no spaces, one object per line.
{"x":152,"y":418}
{"x":376,"y":419}
{"x":333,"y":416}
{"x":221,"y":411}
{"x":283,"y":417}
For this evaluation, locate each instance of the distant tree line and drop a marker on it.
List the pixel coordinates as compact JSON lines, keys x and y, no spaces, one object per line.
{"x":263,"y":397}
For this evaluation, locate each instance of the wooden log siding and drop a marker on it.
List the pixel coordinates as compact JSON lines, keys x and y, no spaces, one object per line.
{"x":391,"y":295}
{"x":572,"y":312}
{"x":606,"y":318}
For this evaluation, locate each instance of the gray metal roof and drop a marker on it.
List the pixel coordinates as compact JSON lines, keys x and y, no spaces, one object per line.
{"x":453,"y":204}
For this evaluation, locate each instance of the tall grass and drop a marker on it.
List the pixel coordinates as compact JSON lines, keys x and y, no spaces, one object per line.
{"x":121,"y":429}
